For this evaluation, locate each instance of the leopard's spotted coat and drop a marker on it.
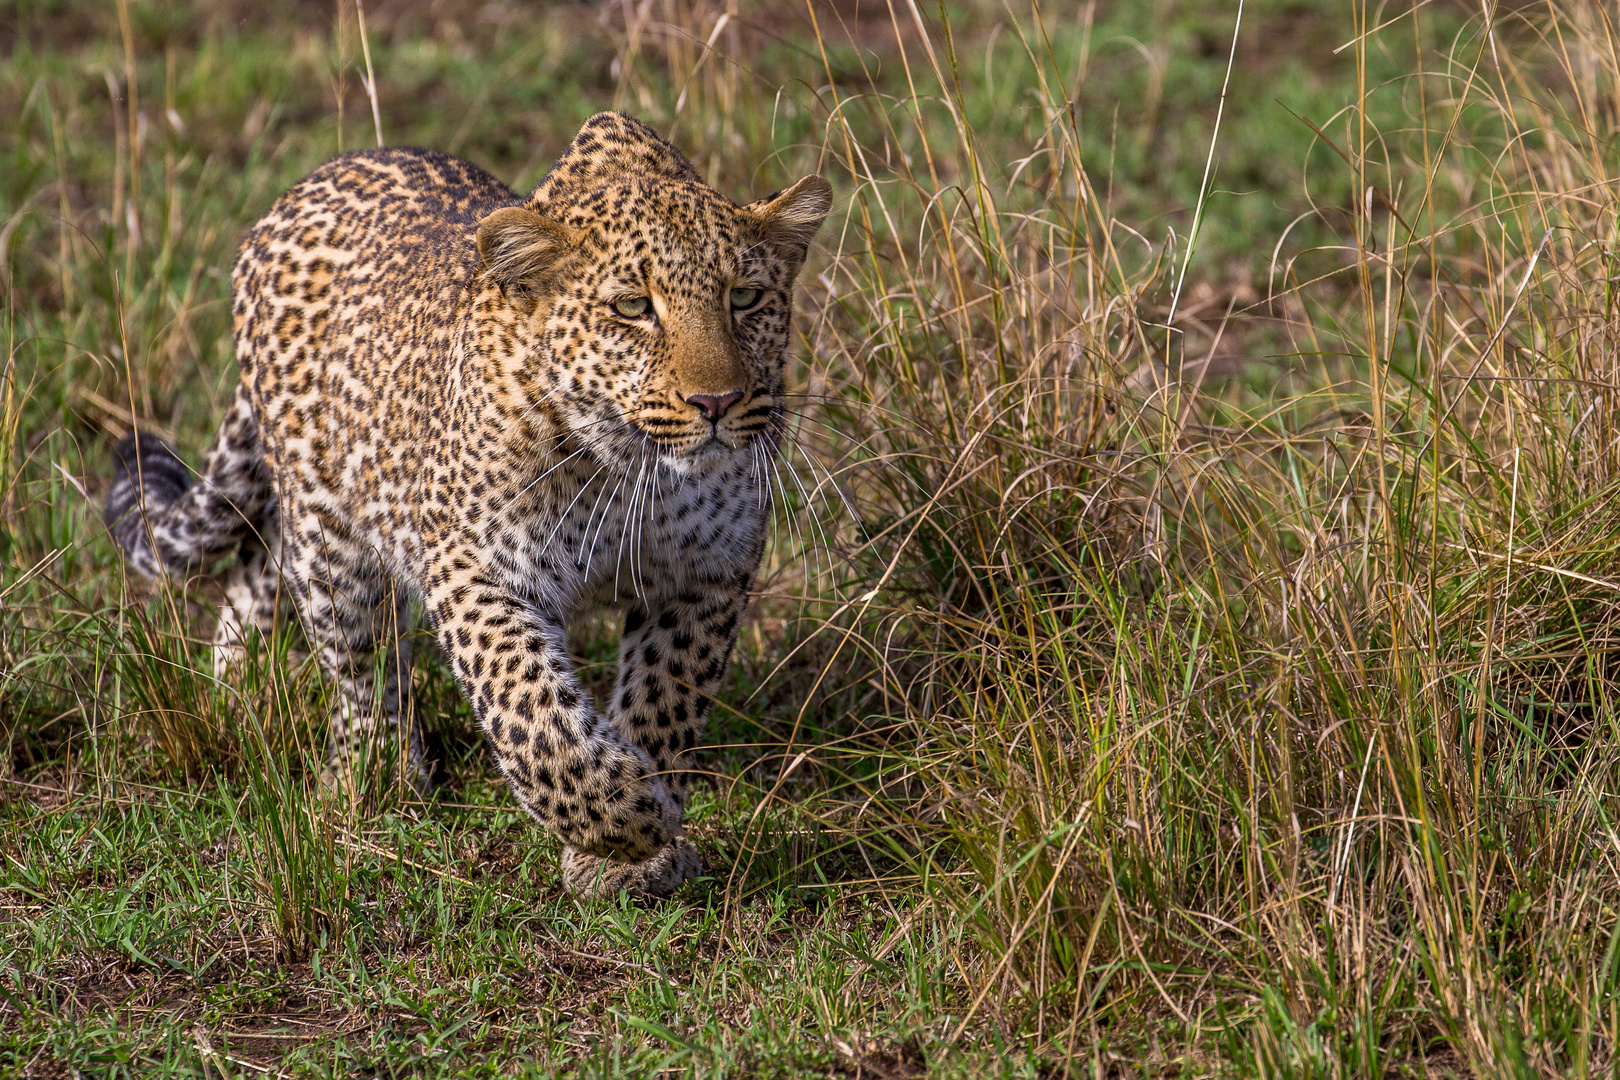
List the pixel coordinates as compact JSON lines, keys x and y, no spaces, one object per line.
{"x":452,"y":394}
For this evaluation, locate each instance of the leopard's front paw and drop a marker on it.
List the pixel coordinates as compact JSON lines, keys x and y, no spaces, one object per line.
{"x":592,"y":877}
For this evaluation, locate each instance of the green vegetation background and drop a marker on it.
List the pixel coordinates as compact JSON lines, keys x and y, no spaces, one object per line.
{"x":1035,"y":781}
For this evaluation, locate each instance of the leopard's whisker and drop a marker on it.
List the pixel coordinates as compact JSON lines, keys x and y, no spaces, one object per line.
{"x":563,"y":518}
{"x":767,"y":467}
{"x":763,"y":497}
{"x":655,"y":493}
{"x":778,"y":505}
{"x":648,"y":503}
{"x":847,"y":464}
{"x":530,"y":485}
{"x":804,"y":417}
{"x":851,"y":462}
{"x":809,"y":504}
{"x":590,"y":557}
{"x":635,"y":528}
{"x":625,"y":527}
{"x":541,"y":400}
{"x":815,"y":518}
{"x":624,"y":531}
{"x":759,"y":482}
{"x":865,"y":406}
{"x":632,"y":525}
{"x":829,"y":481}
{"x":794,"y":529}
{"x":815,"y":515}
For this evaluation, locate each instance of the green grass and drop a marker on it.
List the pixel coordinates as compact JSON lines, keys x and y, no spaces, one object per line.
{"x":1189,"y":676}
{"x":138,"y":949}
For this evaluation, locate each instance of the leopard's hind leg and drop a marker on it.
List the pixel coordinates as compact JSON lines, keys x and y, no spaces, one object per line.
{"x":356,"y":621}
{"x":256,"y":606}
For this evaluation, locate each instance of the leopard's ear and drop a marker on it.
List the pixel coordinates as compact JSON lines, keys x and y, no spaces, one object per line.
{"x":793,"y":216}
{"x":518,"y":247}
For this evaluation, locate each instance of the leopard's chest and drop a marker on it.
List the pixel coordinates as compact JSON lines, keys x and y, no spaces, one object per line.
{"x":590,"y":537}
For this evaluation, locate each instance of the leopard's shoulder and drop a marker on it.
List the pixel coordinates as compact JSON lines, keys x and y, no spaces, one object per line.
{"x":394,"y":218}
{"x":403,"y":185}
{"x":376,"y":240}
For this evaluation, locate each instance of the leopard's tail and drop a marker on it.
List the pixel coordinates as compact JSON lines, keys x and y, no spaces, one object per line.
{"x":164,"y":521}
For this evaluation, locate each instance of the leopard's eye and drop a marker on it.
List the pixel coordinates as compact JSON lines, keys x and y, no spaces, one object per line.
{"x":743,"y":299}
{"x":632,"y":307}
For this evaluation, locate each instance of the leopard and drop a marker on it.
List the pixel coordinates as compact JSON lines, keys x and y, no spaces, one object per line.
{"x":501,"y":416}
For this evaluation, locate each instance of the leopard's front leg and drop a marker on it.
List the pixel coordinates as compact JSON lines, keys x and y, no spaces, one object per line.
{"x":568,"y":766}
{"x":671,"y":660}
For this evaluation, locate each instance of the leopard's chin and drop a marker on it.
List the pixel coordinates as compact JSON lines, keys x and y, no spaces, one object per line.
{"x":700,"y":459}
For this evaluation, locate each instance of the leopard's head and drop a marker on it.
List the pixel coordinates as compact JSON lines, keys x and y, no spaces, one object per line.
{"x":648,"y":314}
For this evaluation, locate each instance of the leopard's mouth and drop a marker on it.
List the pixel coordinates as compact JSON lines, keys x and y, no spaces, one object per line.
{"x":627,"y":443}
{"x":695,"y":441}
{"x":703,"y":449}
{"x":676,"y":431}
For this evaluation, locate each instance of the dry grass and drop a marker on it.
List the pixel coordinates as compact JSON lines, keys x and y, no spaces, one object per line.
{"x":1290,"y":702}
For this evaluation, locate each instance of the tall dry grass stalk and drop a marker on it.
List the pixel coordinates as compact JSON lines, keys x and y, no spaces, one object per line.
{"x":1286,"y":713}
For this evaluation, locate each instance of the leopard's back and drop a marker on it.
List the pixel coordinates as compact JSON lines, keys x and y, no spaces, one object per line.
{"x":344,"y":294}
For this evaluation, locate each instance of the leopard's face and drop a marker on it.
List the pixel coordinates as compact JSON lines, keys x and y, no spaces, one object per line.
{"x":659,"y":329}
{"x":672,"y":339}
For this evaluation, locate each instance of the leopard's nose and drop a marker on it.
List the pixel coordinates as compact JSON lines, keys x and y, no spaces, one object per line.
{"x":714,"y":406}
